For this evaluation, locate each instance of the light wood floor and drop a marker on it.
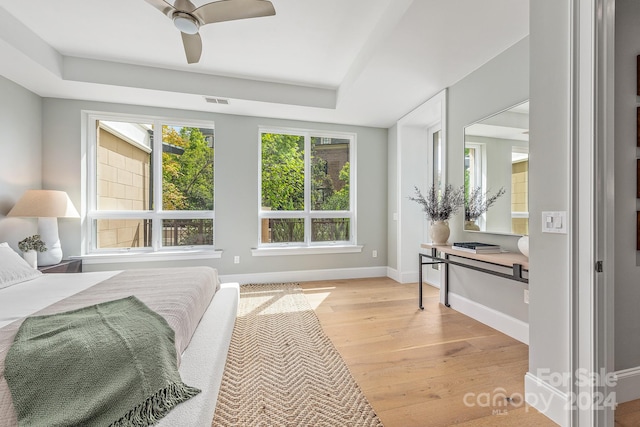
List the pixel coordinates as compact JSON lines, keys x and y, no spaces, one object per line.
{"x":428,"y":368}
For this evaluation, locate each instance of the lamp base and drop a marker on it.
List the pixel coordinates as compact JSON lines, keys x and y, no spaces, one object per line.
{"x":48,"y":230}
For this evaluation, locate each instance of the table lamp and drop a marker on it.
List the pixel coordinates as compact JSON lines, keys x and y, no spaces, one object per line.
{"x":47,"y":206}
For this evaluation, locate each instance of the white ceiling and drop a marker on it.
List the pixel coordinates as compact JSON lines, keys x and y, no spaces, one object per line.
{"x":364,"y":62}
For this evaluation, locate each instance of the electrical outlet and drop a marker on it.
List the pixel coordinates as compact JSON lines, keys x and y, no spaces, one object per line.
{"x":526,"y":296}
{"x":374,"y":253}
{"x":236,"y":259}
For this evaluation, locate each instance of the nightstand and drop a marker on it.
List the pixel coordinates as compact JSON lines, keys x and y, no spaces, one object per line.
{"x":65,"y":266}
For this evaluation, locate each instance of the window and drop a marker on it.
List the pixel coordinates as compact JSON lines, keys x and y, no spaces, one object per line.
{"x":306,"y":188}
{"x":437,"y":160}
{"x":150,"y":184}
{"x":520,"y":190}
{"x":437,"y":163}
{"x":475,"y":172}
{"x":474,"y":166}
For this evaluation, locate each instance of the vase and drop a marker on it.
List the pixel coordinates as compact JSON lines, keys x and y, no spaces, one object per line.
{"x":523,"y":245}
{"x":31,"y":257}
{"x":471,"y":225}
{"x":439,"y":232}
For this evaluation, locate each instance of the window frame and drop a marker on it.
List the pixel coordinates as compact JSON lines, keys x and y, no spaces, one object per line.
{"x":157,"y":214}
{"x":479,"y":176}
{"x":436,"y":165}
{"x":308,"y":214}
{"x":436,"y":162}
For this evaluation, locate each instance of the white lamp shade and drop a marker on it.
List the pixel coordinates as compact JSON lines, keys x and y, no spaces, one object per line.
{"x":44,"y":203}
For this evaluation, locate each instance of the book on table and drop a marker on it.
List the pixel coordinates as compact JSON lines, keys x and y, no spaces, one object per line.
{"x":477,"y":247}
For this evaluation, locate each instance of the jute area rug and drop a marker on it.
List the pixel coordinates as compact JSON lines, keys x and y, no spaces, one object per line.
{"x":282,"y":370}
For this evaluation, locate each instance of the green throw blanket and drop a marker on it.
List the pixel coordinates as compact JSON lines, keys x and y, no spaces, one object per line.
{"x":110,"y":364}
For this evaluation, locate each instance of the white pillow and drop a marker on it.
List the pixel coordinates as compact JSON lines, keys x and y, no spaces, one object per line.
{"x":14,"y":269}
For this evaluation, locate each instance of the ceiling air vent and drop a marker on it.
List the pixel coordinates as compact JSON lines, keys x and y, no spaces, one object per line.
{"x":211,"y":100}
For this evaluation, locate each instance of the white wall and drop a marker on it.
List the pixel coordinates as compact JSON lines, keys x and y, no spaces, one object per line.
{"x":237,"y":149}
{"x":496,"y":86}
{"x":499,"y":84}
{"x":392,"y":202}
{"x":412,"y":163}
{"x":20,"y":156}
{"x":549,"y":186}
{"x":412,"y":153}
{"x":627,"y":259}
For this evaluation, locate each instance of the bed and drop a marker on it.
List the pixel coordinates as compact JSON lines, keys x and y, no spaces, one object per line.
{"x":198,"y":308}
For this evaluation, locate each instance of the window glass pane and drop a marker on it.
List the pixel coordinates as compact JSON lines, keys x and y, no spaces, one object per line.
{"x":468,"y":165}
{"x":437,"y":161}
{"x":520,"y":194}
{"x":330,"y":174}
{"x":330,"y":229}
{"x":187,"y":232}
{"x":123,"y":233}
{"x":304,"y":185}
{"x":471,"y":169}
{"x":282,"y":172}
{"x":129,"y":172}
{"x":123,"y":166}
{"x":187,"y":168}
{"x":282,"y":230}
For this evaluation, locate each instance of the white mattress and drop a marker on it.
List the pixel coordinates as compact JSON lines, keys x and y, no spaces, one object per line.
{"x":202,"y":362}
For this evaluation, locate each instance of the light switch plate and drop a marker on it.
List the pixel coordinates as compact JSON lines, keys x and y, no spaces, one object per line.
{"x":554,"y":222}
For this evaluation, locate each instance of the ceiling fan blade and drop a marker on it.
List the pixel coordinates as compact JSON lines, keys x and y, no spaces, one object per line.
{"x":162,"y":6}
{"x":229,"y":10}
{"x":184,"y":5}
{"x":192,"y":47}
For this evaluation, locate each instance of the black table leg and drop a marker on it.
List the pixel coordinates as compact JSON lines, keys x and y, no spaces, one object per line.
{"x":446,"y":281}
{"x":420,"y":282}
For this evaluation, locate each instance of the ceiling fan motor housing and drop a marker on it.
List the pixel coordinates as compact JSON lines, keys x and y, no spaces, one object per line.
{"x":185,"y":22}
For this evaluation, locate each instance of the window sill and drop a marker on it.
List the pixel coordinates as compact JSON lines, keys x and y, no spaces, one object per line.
{"x":125,"y":257}
{"x":306,"y":250}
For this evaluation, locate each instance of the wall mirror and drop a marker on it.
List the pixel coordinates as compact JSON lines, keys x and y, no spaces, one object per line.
{"x":496,"y":156}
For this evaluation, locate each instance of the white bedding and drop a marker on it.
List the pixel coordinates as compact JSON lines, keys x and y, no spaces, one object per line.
{"x":202,"y":362}
{"x":26,"y":298}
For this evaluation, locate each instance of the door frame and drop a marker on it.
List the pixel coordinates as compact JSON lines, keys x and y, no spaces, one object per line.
{"x":592,"y":240}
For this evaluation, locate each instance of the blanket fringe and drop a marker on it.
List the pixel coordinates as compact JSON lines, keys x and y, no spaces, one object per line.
{"x":156,"y":406}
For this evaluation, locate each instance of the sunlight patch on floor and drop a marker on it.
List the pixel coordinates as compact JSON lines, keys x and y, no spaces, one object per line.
{"x":316,"y":297}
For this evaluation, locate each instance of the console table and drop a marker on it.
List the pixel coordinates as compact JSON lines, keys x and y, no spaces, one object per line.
{"x":516,"y":261}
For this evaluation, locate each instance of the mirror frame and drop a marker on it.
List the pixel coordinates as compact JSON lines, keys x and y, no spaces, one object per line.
{"x":493,"y":190}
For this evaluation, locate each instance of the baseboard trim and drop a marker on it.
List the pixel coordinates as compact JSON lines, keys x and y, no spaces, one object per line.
{"x":392,"y":273}
{"x":511,"y":326}
{"x":411,"y":277}
{"x":547,"y":399}
{"x":306,"y":275}
{"x":628,"y":385}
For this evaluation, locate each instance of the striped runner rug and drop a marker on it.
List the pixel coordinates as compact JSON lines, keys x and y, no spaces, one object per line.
{"x":282,"y":370}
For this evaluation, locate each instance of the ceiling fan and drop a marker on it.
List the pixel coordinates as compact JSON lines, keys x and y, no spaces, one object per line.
{"x":188,"y":18}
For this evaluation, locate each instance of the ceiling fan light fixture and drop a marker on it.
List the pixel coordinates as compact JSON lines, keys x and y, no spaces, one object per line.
{"x":185,"y":23}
